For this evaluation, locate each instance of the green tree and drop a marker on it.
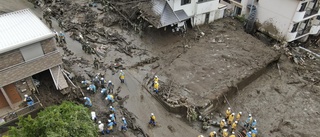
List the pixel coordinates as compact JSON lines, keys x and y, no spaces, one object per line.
{"x":65,"y":120}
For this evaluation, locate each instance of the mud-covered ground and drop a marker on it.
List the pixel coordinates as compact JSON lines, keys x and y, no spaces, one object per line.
{"x":284,"y":100}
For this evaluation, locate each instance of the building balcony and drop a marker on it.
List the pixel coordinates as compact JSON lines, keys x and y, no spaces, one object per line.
{"x":304,"y":31}
{"x":236,"y":1}
{"x":314,"y":29}
{"x":299,"y":16}
{"x":311,"y":12}
{"x":291,"y":36}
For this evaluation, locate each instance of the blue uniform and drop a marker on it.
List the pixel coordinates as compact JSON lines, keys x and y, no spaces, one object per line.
{"x":110,"y":98}
{"x":112,"y":118}
{"x":104,"y":91}
{"x":93,"y":88}
{"x":112,"y":109}
{"x":254,"y":123}
{"x":88,"y":102}
{"x":124,"y":126}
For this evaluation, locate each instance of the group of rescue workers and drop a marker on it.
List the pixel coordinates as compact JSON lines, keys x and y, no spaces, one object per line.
{"x":230,"y":123}
{"x":108,"y":94}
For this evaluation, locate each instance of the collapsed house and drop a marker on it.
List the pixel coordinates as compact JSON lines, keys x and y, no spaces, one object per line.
{"x":181,"y":13}
{"x":284,"y":20}
{"x":27,"y":49}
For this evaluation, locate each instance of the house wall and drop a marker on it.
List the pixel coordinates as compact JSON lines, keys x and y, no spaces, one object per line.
{"x":10,"y":58}
{"x":188,"y":8}
{"x":48,"y":45}
{"x":205,"y":7}
{"x":275,"y":16}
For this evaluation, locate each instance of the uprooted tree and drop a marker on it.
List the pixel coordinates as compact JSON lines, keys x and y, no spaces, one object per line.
{"x":65,"y":120}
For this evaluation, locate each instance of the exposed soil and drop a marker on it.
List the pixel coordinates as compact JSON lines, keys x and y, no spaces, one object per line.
{"x":201,"y":66}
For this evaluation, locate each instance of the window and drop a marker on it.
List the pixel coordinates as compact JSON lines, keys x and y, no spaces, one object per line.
{"x":199,"y":1}
{"x":294,"y":28}
{"x":228,"y":1}
{"x":303,"y":6}
{"x":184,"y":2}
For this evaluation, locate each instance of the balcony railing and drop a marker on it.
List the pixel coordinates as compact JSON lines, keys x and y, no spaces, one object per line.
{"x":311,"y":12}
{"x":14,"y":114}
{"x":303,"y":31}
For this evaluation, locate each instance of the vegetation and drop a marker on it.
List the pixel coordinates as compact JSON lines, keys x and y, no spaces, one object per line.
{"x":65,"y":120}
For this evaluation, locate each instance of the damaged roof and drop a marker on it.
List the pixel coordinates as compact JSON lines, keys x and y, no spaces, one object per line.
{"x":21,"y":28}
{"x":162,"y":14}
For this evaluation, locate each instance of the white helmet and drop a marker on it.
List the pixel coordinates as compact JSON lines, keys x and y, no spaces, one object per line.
{"x":233,"y":114}
{"x":120,"y":70}
{"x":201,"y":136}
{"x":223,"y":120}
{"x":249,"y":132}
{"x":152,"y":114}
{"x":240,"y":113}
{"x":60,"y":31}
{"x":88,"y":88}
{"x":102,"y":79}
{"x":109,"y":81}
{"x":233,"y":133}
{"x":123,"y":118}
{"x":99,"y":122}
{"x":110,"y":106}
{"x":255,"y":120}
{"x":214,"y":132}
{"x":25,"y":95}
{"x":225,"y":129}
{"x":229,"y":108}
{"x":255,"y":128}
{"x":109,"y":120}
{"x":156,"y":76}
{"x":85,"y":98}
{"x":82,"y":82}
{"x":110,"y":115}
{"x":250,"y":115}
{"x":235,"y":121}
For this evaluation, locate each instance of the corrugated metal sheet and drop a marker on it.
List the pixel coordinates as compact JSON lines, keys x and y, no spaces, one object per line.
{"x":21,"y":28}
{"x":168,"y":17}
{"x":182,"y":15}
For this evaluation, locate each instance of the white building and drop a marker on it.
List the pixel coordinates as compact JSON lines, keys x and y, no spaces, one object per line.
{"x":287,"y":20}
{"x":179,"y":12}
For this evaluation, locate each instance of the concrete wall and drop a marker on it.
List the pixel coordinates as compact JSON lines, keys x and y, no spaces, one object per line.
{"x":208,"y":6}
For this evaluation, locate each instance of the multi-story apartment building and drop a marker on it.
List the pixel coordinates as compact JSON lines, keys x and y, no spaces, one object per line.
{"x":27,"y":47}
{"x":286,"y":20}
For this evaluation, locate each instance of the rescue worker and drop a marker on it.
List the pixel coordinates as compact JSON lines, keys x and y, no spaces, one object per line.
{"x":232,"y":135}
{"x":248,"y":134}
{"x":85,"y":83}
{"x":104,"y":92}
{"x":213,"y":134}
{"x":110,"y":86}
{"x":29,"y":101}
{"x":230,"y":119}
{"x":222,"y":124}
{"x":155,"y":79}
{"x":110,"y":98}
{"x":96,"y":63}
{"x":96,"y":80}
{"x":225,"y":133}
{"x":102,"y":82}
{"x":124,"y":126}
{"x":238,"y":116}
{"x":62,"y":38}
{"x":228,"y":113}
{"x":152,"y":120}
{"x":254,"y":123}
{"x":112,"y":109}
{"x":88,"y":102}
{"x":48,"y":21}
{"x":254,"y":132}
{"x":101,"y":127}
{"x":93,"y":116}
{"x":248,"y":121}
{"x":234,"y":126}
{"x":121,"y":76}
{"x":110,"y":127}
{"x":56,"y":36}
{"x":92,"y":88}
{"x":156,"y":87}
{"x":113,"y":119}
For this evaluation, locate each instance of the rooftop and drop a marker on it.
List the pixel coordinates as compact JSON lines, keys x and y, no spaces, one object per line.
{"x":21,"y":28}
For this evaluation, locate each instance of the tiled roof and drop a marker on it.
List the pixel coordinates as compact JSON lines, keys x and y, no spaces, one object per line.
{"x":21,"y":28}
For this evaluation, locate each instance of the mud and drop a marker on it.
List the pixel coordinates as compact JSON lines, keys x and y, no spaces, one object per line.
{"x":208,"y":66}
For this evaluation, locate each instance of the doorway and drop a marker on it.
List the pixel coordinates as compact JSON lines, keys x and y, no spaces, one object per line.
{"x":206,"y":21}
{"x":237,"y":11}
